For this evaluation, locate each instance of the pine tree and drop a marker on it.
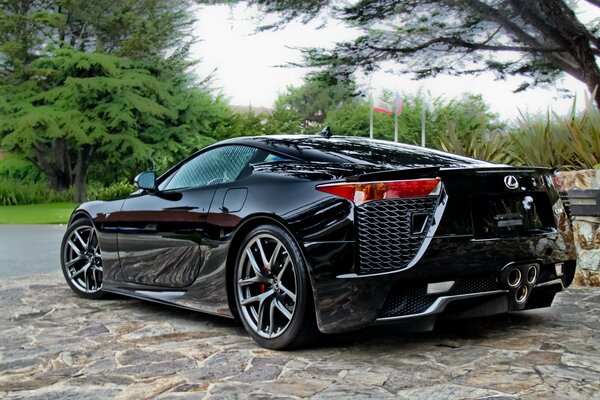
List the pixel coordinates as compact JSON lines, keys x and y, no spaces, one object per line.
{"x":99,"y":84}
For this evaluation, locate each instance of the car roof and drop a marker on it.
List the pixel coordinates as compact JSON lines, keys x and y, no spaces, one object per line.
{"x":354,"y":150}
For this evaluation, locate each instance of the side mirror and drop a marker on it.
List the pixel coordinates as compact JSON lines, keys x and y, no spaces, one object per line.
{"x":146,"y":181}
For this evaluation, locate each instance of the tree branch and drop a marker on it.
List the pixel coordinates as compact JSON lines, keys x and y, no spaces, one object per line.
{"x":458,"y":42}
{"x":494,"y":15}
{"x":551,"y":26}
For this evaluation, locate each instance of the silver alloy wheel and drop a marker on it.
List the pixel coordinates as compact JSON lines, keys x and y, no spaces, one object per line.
{"x":267,"y":286}
{"x":83,"y":260}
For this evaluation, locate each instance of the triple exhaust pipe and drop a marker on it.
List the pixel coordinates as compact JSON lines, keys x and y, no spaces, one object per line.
{"x":520,"y":281}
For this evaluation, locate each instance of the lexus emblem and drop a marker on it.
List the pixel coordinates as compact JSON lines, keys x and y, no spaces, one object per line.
{"x":511,"y":182}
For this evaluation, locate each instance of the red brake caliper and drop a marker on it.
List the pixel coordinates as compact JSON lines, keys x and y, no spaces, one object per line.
{"x":263,"y":287}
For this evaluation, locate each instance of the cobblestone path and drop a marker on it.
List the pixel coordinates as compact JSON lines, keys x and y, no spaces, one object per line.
{"x":54,"y":345}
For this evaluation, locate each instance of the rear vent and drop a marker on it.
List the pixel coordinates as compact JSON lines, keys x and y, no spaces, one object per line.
{"x":413,"y":299}
{"x":390,"y":232}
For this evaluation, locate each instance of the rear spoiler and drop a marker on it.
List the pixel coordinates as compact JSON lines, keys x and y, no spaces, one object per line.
{"x":507,"y":169}
{"x":432,"y":172}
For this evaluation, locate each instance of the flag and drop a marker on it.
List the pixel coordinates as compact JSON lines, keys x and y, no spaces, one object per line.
{"x":399,"y":104}
{"x":382,"y":106}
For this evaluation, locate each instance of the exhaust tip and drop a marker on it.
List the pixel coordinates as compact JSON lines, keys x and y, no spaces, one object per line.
{"x":532,"y":274}
{"x":514,"y":277}
{"x":521,"y":294}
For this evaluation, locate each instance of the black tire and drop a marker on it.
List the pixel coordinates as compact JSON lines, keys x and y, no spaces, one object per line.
{"x":82,"y":268}
{"x":281,"y":277}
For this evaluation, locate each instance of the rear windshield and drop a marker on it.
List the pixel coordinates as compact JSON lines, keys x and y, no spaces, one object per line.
{"x":379,"y":153}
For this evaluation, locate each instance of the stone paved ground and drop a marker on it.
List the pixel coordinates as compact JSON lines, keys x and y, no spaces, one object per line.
{"x":56,"y":345}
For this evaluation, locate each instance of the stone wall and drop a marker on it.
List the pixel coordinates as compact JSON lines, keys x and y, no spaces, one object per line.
{"x":586,"y":229}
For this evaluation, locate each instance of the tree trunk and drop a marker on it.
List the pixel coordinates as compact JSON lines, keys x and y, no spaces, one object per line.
{"x":80,"y":173}
{"x":577,"y":38}
{"x":55,"y":161}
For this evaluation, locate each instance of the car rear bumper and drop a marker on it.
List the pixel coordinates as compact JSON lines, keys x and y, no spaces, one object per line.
{"x":345,"y":300}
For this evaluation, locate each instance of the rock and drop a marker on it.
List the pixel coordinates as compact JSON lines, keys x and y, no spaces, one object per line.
{"x":589,"y":260}
{"x":594,"y":278}
{"x":157,"y":368}
{"x":439,"y":392}
{"x":261,"y":369}
{"x":345,"y":391}
{"x":149,"y":390}
{"x":581,"y":179}
{"x":503,"y":378}
{"x":295,"y":387}
{"x":139,"y":356}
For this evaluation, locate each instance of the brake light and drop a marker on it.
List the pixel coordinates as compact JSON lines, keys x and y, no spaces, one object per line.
{"x":364,"y":192}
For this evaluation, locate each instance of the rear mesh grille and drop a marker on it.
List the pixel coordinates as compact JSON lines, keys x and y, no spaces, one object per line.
{"x":476,"y":285}
{"x":385,"y":239}
{"x":413,"y":299}
{"x":406,"y":301}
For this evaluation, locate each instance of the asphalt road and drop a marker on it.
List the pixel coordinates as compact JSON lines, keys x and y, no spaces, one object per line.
{"x":29,"y":249}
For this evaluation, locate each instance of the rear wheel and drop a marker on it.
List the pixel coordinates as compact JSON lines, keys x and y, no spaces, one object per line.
{"x":81,"y":259}
{"x":272,"y":289}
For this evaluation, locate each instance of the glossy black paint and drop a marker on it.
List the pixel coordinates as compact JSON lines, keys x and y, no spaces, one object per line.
{"x":178,"y":247}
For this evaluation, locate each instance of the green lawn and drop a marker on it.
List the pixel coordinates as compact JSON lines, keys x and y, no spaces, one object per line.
{"x":54,"y":213}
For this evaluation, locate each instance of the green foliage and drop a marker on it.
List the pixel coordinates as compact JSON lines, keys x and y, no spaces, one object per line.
{"x":248,"y":123}
{"x":583,"y":136}
{"x":17,"y":168}
{"x":94,"y":101}
{"x":283,"y":120}
{"x":121,"y":113}
{"x":304,"y":108}
{"x":539,"y":141}
{"x":352,"y":119}
{"x":492,"y":147}
{"x":570,"y":142}
{"x":464,"y":116}
{"x":15,"y":192}
{"x":320,"y":93}
{"x":137,"y":29}
{"x":98,"y":85}
{"x":116,"y":190}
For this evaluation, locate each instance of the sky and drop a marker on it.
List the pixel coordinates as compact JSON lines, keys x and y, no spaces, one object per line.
{"x":246,"y":65}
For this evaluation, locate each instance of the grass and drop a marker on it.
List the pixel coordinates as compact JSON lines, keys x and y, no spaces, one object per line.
{"x":53,"y":213}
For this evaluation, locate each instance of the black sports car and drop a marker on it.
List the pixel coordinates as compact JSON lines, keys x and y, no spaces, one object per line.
{"x":298,"y":233}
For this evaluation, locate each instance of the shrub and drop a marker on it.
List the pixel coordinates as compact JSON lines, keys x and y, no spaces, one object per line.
{"x":488,"y":146}
{"x":583,"y":135}
{"x":17,"y":168}
{"x":16,"y":193}
{"x":541,"y":142}
{"x":117,"y":190}
{"x":570,"y":142}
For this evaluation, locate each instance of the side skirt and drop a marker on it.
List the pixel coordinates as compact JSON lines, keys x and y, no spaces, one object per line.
{"x":166,"y":297}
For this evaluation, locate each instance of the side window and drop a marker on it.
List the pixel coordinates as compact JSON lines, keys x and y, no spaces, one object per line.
{"x":221,"y":165}
{"x":274,"y":158}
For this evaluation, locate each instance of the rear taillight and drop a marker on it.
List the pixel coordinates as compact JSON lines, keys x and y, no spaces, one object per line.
{"x":362,"y":192}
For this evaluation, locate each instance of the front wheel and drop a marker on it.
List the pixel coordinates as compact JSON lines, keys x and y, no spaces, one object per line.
{"x":81,"y":259}
{"x":272,"y":289}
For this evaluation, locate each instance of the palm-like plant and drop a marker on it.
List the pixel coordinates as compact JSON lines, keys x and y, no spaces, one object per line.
{"x":488,"y":146}
{"x":583,"y":135}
